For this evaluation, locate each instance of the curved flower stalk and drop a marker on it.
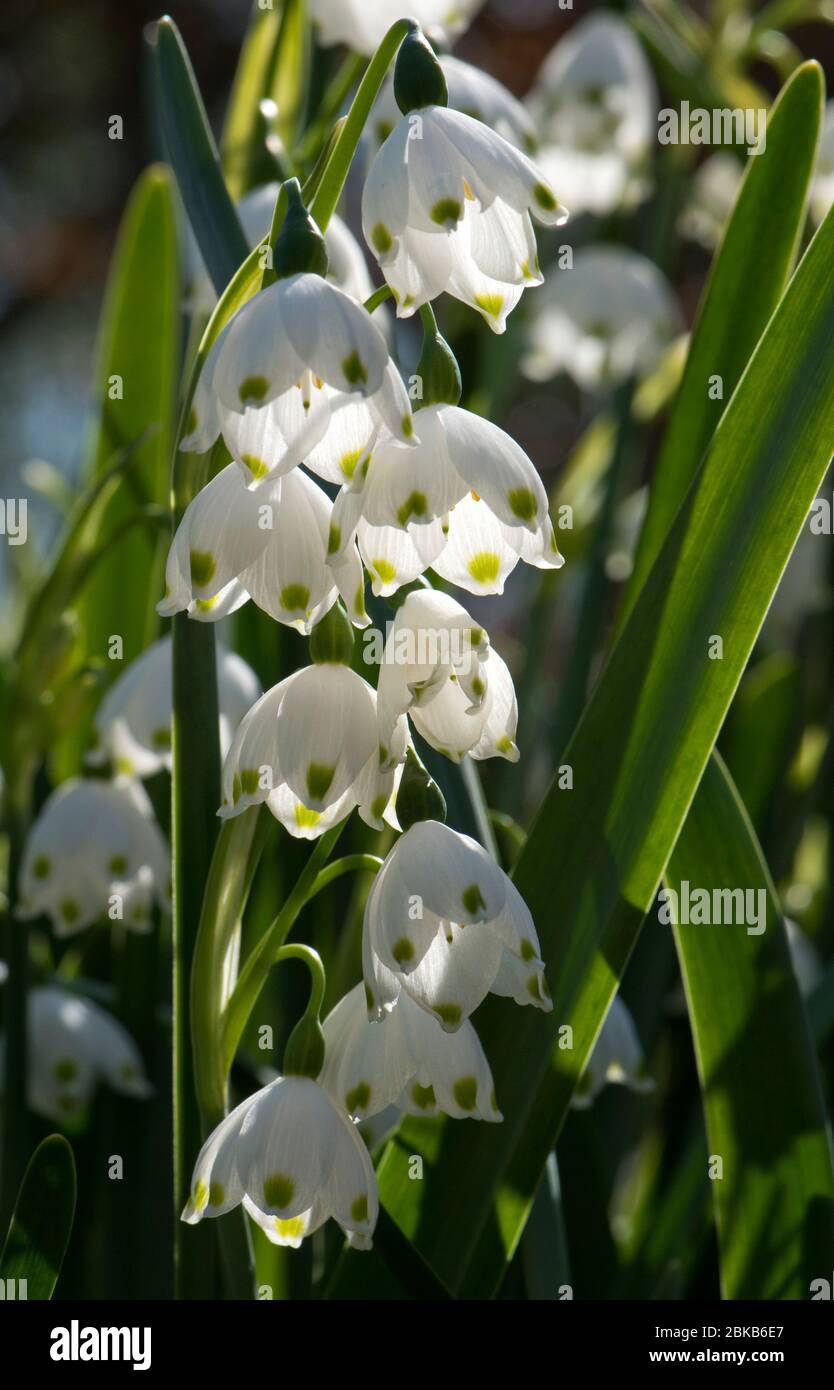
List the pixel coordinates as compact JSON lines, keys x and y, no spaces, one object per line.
{"x":477,"y":94}
{"x":283,"y":369}
{"x":594,"y":104}
{"x":607,"y":319}
{"x":133,"y":723}
{"x":72,"y":1046}
{"x":444,"y":924}
{"x":446,"y":204}
{"x":438,"y":667}
{"x":617,"y":1057}
{"x":363,"y":26}
{"x":94,"y":853}
{"x":712,"y":194}
{"x":411,"y":1063}
{"x":466,"y":501}
{"x":272,"y":543}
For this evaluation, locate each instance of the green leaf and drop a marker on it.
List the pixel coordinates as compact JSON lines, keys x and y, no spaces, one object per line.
{"x":42,"y":1221}
{"x":760,"y":731}
{"x":242,"y":142}
{"x":596,"y":851}
{"x":774,"y":1200}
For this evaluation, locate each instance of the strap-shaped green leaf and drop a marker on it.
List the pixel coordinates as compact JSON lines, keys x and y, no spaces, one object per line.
{"x":42,"y":1221}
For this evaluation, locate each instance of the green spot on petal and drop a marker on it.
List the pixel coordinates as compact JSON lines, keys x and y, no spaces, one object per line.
{"x":385,"y":570}
{"x":41,"y":866}
{"x":217,"y":1194}
{"x":290,"y":1227}
{"x":423,"y":1096}
{"x":191,"y":424}
{"x":449,"y":1013}
{"x":490,"y":304}
{"x":66,"y":1070}
{"x":378,"y":805}
{"x":544,"y":197}
{"x":403,"y":950}
{"x":70,"y":911}
{"x":306,"y":819}
{"x":278,"y":1190}
{"x":415,"y":504}
{"x":407,"y":426}
{"x":354,"y":368}
{"x":528,"y":950}
{"x":466,"y":1092}
{"x":256,"y":466}
{"x":200,"y":1196}
{"x":334,"y":539}
{"x":473,"y":899}
{"x":522,"y":503}
{"x":359,"y":1209}
{"x":253,"y":388}
{"x":319,"y":777}
{"x":359,"y":1098}
{"x":161,"y":738}
{"x":446,"y":210}
{"x":485,"y":566}
{"x":118,"y":864}
{"x":381,"y":238}
{"x":249,"y":779}
{"x":295,"y":598}
{"x":203,"y":567}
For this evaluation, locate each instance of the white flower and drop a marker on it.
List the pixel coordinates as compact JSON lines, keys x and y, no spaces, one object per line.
{"x":363,"y":25}
{"x":446,"y":206}
{"x":806,"y":962}
{"x":439,"y":668}
{"x":472,"y":91}
{"x":294,"y":1159}
{"x":466,"y":501}
{"x":609,"y":317}
{"x":594,"y":104}
{"x":284,"y":368}
{"x":310,"y":749}
{"x":712,"y":194}
{"x":822,"y":182}
{"x":95,"y":852}
{"x":411,"y":1063}
{"x":444,"y":924}
{"x":271,"y":543}
{"x":72,"y":1045}
{"x":133,"y":722}
{"x":616,"y":1057}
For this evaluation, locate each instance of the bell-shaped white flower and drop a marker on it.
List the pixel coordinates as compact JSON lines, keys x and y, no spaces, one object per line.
{"x":283,"y":369}
{"x":411,"y":1063}
{"x":438,"y":667}
{"x":94,"y":853}
{"x":293,"y":1158}
{"x":609,"y":317}
{"x":310,"y":749}
{"x":446,"y":207}
{"x":467,"y":475}
{"x":710,"y":199}
{"x":362,"y":26}
{"x":446,"y":925}
{"x":616,"y":1057}
{"x":73,"y":1044}
{"x":821,"y":194}
{"x":594,"y":104}
{"x":473,"y":91}
{"x":133,"y":722}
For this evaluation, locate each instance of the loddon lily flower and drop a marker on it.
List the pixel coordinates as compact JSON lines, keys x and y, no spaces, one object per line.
{"x":617,"y":1058}
{"x":411,"y":1063}
{"x":712,"y":194}
{"x":608,"y":318}
{"x":73,"y":1044}
{"x":438,"y":667}
{"x":472,"y":91}
{"x":445,"y":925}
{"x":293,"y":1158}
{"x":133,"y":723}
{"x":94,"y":851}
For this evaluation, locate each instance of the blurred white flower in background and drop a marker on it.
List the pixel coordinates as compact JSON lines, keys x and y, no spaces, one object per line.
{"x":710,"y":199}
{"x":617,"y":1057}
{"x":608,"y":318}
{"x":594,"y":106}
{"x":472,"y":91}
{"x":362,"y":24}
{"x":95,"y":853}
{"x":822,"y":182}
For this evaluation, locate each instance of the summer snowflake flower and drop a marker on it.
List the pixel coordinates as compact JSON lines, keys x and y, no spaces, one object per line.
{"x":272,"y":543}
{"x":446,"y":206}
{"x":362,"y":26}
{"x":617,"y":1057}
{"x":310,"y":749}
{"x":444,"y":924}
{"x":438,"y":666}
{"x":821,"y":194}
{"x":133,"y":723}
{"x":293,"y":1158}
{"x":712,"y":194}
{"x":466,"y":501}
{"x":284,"y":368}
{"x":95,"y":852}
{"x":608,"y":318}
{"x":72,"y":1045}
{"x":411,"y":1063}
{"x":472,"y":91}
{"x":594,"y":104}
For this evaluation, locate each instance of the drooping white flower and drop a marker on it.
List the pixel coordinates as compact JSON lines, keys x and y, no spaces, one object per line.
{"x":411,"y":1063}
{"x":72,"y":1045}
{"x":293,"y":1158}
{"x":363,"y":26}
{"x":272,"y":543}
{"x":594,"y":104}
{"x":438,"y":667}
{"x":284,"y":368}
{"x":616,"y":1057}
{"x":444,"y":924}
{"x":711,"y":196}
{"x":94,"y":853}
{"x":310,"y":749}
{"x":609,"y":317}
{"x":821,"y":194}
{"x":446,"y":207}
{"x":133,"y":722}
{"x":466,"y":501}
{"x":473,"y":91}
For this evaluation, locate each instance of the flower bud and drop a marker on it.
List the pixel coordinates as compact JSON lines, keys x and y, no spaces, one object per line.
{"x":332,"y":638}
{"x":418,"y":797}
{"x":300,"y":246}
{"x":418,"y":76}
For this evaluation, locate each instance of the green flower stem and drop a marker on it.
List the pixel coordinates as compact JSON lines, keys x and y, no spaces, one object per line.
{"x":334,"y":98}
{"x":312,"y":959}
{"x":349,"y":864}
{"x":333,"y":179}
{"x":378,"y":297}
